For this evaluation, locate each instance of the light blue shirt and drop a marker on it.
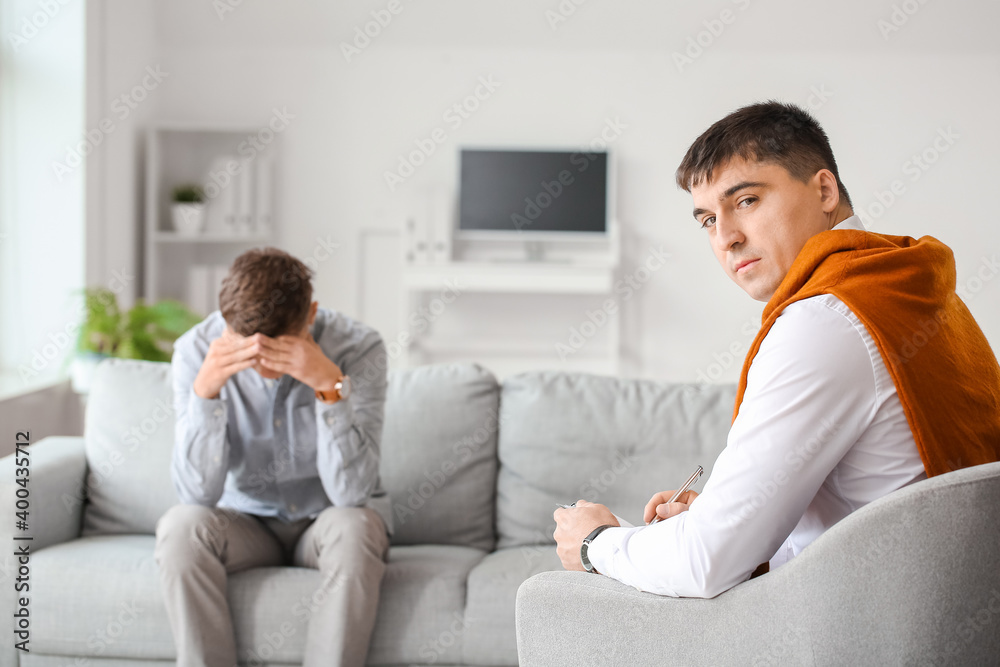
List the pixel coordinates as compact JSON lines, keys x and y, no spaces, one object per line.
{"x":270,"y":447}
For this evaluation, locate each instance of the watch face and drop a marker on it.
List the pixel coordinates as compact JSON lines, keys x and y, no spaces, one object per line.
{"x":345,"y":387}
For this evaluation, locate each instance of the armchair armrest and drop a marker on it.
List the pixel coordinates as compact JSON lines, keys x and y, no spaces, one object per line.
{"x":911,"y":578}
{"x":577,"y":618}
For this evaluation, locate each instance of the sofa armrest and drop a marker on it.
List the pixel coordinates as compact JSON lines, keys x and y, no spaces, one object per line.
{"x":56,"y":480}
{"x":56,"y":486}
{"x":577,"y":618}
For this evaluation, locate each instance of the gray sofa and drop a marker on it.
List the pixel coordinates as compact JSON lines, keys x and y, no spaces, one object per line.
{"x":474,"y":469}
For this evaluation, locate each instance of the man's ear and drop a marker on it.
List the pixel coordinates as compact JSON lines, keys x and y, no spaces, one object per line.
{"x":829,"y":191}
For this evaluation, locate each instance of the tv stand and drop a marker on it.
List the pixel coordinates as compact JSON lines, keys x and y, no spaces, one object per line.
{"x":535,"y":251}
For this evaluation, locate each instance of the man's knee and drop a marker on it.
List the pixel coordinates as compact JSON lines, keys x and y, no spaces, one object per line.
{"x":186,"y":530}
{"x":352,"y":529}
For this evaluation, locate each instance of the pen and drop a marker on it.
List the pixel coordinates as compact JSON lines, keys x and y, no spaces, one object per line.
{"x":687,"y":485}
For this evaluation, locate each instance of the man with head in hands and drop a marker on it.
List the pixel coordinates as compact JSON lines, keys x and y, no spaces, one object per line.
{"x":868,"y":372}
{"x":279,"y":407}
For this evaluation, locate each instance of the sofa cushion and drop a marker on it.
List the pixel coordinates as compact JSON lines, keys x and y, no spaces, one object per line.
{"x":100,"y":596}
{"x":490,"y":635}
{"x":439,"y":454}
{"x":129,"y":436}
{"x":608,"y":440}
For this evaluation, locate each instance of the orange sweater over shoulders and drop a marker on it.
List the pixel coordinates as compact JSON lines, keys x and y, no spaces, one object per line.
{"x":903,"y":291}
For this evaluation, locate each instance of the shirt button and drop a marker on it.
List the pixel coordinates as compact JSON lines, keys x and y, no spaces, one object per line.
{"x":277,"y":422}
{"x":292,"y":507}
{"x":330,"y":420}
{"x":215,"y":458}
{"x":218,"y":412}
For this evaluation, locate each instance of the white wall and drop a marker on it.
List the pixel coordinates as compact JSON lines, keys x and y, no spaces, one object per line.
{"x":41,"y":197}
{"x":884,"y":100}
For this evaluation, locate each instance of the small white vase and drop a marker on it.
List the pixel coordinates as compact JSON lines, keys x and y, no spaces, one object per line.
{"x":82,"y":368}
{"x":188,"y":218}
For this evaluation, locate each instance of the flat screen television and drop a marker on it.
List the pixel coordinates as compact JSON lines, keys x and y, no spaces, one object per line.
{"x":543,"y":194}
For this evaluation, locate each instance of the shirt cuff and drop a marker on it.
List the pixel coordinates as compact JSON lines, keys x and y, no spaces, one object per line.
{"x":207,"y":410}
{"x":338,"y":417}
{"x":603,"y":548}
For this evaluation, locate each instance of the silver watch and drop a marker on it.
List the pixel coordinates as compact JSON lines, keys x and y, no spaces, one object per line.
{"x":587,"y":565}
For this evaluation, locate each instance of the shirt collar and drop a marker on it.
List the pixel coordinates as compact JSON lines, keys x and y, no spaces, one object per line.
{"x":853,"y":222}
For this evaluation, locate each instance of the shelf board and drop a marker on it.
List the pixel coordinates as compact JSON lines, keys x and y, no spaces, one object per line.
{"x":509,"y":277}
{"x":211,"y":237}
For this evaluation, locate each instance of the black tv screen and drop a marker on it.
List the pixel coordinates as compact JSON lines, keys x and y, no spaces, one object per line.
{"x":533,"y":191}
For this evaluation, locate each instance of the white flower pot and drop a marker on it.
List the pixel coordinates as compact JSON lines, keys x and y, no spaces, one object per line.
{"x":81,"y":370}
{"x":188,"y":218}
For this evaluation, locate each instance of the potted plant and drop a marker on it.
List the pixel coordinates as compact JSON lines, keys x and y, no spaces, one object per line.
{"x":144,"y":332}
{"x":188,"y":209}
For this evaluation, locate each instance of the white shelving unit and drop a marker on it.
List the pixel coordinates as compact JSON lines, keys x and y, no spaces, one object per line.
{"x":181,"y":154}
{"x":551,"y":279}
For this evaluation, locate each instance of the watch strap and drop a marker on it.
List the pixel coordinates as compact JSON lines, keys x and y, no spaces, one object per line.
{"x":587,"y":565}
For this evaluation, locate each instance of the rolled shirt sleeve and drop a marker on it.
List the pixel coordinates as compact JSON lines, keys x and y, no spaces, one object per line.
{"x":349,"y":432}
{"x":810,"y":394}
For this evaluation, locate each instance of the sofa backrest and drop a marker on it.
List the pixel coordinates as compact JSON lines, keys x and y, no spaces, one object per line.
{"x":566,"y":436}
{"x":439,"y":454}
{"x":438,"y":451}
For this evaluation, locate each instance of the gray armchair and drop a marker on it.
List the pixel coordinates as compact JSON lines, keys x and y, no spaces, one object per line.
{"x":913,"y":578}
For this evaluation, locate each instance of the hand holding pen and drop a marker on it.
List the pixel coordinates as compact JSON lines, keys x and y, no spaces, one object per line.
{"x":683,"y":496}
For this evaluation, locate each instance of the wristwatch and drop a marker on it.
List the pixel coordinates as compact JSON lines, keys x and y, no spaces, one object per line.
{"x":340,"y":390}
{"x":587,"y":565}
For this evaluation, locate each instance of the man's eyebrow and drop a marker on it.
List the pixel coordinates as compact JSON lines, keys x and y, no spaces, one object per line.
{"x":730,"y":192}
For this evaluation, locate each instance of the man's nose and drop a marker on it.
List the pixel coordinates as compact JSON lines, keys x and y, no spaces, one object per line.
{"x":727,"y":232}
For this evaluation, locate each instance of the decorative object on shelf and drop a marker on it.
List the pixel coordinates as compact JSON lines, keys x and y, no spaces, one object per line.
{"x":188,"y":209}
{"x":143,"y":332}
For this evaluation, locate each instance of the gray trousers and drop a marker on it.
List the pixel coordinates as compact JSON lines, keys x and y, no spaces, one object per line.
{"x":197,"y":547}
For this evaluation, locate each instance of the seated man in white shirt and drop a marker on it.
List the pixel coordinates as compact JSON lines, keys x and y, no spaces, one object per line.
{"x":834,"y":410}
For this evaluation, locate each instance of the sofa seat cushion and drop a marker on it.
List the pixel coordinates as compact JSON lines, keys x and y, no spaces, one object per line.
{"x":489,"y":614}
{"x":100,"y":596}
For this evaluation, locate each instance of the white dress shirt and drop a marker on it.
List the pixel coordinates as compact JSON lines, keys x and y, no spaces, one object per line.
{"x":820,"y":433}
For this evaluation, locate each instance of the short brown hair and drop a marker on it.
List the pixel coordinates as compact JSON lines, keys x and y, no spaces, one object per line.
{"x":267,"y":291}
{"x":772,"y":131}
